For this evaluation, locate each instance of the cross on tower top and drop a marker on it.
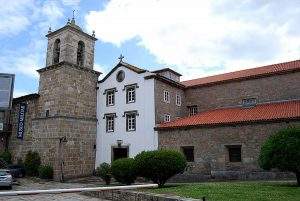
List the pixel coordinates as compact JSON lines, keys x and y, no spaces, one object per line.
{"x":121,"y":57}
{"x":73,"y":17}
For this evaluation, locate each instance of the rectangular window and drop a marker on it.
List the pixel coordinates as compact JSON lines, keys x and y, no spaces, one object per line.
{"x":131,"y":122}
{"x":110,"y":98}
{"x":47,"y":112}
{"x":249,"y":102}
{"x":110,"y":123}
{"x":167,"y":118}
{"x":193,"y":110}
{"x":188,"y":152}
{"x":178,"y":100}
{"x":130,"y":94}
{"x":166,"y":96}
{"x":234,"y":153}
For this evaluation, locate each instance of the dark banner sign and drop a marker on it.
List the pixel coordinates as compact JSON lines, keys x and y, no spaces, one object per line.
{"x":21,"y":120}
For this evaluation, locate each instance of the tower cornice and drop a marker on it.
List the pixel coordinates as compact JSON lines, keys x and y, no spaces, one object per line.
{"x":64,"y":63}
{"x":73,"y":28}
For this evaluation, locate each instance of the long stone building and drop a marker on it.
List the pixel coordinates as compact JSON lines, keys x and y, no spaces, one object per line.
{"x":219,"y":122}
{"x":230,"y":116}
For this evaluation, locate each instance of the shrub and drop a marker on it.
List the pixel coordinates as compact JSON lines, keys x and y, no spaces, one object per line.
{"x":282,"y":151}
{"x":160,"y":165}
{"x":6,"y":156}
{"x":45,"y":172}
{"x":32,"y":163}
{"x":104,"y":172}
{"x":123,"y":170}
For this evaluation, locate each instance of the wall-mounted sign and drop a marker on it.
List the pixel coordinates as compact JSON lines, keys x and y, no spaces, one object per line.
{"x":6,"y":90}
{"x":1,"y":126}
{"x":21,"y":120}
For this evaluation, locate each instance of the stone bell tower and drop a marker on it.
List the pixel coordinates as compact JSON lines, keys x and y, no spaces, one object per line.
{"x":65,"y":126}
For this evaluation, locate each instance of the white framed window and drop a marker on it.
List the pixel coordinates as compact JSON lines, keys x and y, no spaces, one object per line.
{"x":110,"y":123}
{"x":193,"y":110}
{"x":166,"y":96}
{"x":178,"y":99}
{"x":110,"y":98}
{"x":167,"y":118}
{"x":131,"y":122}
{"x":130,"y":94}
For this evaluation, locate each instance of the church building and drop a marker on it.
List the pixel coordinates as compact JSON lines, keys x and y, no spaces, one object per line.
{"x":76,"y":121}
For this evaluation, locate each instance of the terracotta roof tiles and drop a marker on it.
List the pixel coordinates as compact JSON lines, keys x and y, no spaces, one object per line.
{"x":263,"y":112}
{"x":243,"y":74}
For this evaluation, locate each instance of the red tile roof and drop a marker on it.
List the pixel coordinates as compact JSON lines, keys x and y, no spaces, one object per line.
{"x":248,"y":73}
{"x":263,"y":112}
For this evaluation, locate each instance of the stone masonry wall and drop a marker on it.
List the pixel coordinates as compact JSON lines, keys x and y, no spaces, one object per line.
{"x":128,"y":195}
{"x":68,"y":45}
{"x":67,"y":90}
{"x":78,"y":153}
{"x":19,"y":147}
{"x":171,"y":108}
{"x":273,"y":88}
{"x":210,"y":152}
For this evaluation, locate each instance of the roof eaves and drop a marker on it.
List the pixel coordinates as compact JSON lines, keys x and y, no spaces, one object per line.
{"x":157,"y":128}
{"x":166,"y":69}
{"x":26,"y":97}
{"x":122,"y":63}
{"x":285,"y":71}
{"x":166,"y":80}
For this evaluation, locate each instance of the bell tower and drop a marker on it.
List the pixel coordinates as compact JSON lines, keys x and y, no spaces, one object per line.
{"x":65,"y":126}
{"x":71,"y":45}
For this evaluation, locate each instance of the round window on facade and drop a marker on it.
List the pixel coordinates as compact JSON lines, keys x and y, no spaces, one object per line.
{"x":120,"y":76}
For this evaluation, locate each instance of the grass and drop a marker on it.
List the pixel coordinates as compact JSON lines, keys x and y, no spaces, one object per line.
{"x":235,"y":191}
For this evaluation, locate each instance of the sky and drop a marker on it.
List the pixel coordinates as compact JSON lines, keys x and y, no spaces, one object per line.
{"x":195,"y":38}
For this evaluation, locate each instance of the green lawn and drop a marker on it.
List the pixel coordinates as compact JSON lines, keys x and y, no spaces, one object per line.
{"x":234,"y":191}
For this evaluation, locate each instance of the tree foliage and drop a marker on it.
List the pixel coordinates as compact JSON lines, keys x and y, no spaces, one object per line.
{"x":160,"y":165}
{"x":104,"y":172}
{"x":123,"y":170}
{"x":32,"y":163}
{"x":282,"y":151}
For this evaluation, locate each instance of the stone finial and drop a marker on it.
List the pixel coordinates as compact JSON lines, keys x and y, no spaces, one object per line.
{"x":68,"y":21}
{"x":121,"y":57}
{"x":93,"y":34}
{"x":49,"y":30}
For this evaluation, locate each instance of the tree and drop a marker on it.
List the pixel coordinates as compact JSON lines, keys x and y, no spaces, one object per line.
{"x":160,"y":165}
{"x":104,"y":172}
{"x":32,"y":163}
{"x":123,"y":170}
{"x":282,"y":151}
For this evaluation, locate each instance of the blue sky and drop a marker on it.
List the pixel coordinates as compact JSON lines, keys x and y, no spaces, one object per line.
{"x":195,"y":38}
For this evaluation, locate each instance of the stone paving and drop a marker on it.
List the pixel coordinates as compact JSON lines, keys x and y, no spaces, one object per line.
{"x":37,"y":184}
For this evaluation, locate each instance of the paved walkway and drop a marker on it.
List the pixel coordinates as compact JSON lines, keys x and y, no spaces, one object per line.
{"x":37,"y":184}
{"x":50,"y":197}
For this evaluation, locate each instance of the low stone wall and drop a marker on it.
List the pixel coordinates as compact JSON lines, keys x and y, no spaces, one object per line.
{"x":231,"y":175}
{"x":127,"y":195}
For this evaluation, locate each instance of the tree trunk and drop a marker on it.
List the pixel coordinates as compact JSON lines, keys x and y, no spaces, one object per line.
{"x":298,"y":178}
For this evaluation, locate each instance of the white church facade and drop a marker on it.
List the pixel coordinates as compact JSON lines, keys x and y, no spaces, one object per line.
{"x":125,"y":113}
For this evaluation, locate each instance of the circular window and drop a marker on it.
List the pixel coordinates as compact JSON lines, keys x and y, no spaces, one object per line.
{"x":120,"y":76}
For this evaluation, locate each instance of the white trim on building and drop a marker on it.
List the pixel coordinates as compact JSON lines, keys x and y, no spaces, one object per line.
{"x":133,"y":111}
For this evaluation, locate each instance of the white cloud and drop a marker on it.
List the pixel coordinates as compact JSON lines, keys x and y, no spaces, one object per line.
{"x":203,"y":37}
{"x":27,"y":58}
{"x":71,"y":2}
{"x":14,"y":16}
{"x":18,"y":93}
{"x":100,"y":68}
